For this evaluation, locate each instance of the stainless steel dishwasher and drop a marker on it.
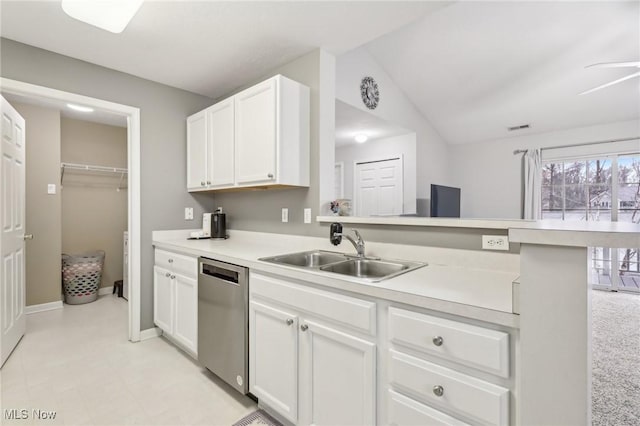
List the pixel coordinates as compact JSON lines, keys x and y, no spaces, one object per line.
{"x":223,"y":321}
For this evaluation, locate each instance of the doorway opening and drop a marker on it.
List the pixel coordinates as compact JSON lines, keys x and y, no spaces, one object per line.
{"x":125,"y":184}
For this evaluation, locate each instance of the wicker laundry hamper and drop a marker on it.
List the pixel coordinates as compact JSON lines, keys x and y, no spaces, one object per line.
{"x":81,"y":276}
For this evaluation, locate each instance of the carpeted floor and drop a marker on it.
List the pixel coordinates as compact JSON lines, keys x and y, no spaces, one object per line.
{"x":616,"y":358}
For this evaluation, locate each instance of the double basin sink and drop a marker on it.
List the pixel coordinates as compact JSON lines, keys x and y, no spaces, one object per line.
{"x":368,"y":269}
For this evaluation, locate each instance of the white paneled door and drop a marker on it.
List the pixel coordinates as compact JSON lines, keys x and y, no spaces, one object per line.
{"x":378,"y":188}
{"x":12,"y":238}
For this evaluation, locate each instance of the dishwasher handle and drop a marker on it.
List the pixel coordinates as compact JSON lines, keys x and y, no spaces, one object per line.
{"x":219,"y":273}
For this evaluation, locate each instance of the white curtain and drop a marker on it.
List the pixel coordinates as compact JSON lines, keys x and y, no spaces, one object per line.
{"x":532,"y":184}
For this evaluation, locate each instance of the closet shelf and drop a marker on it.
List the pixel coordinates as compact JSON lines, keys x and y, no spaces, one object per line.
{"x":88,"y":168}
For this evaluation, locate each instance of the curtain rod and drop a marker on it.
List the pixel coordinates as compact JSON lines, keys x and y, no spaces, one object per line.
{"x":523,"y":151}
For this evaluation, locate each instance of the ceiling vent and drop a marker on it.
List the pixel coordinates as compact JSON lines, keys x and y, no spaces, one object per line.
{"x":520,"y":127}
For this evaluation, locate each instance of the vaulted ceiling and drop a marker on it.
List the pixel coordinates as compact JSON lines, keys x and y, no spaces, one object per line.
{"x":472,"y":68}
{"x":475,"y":68}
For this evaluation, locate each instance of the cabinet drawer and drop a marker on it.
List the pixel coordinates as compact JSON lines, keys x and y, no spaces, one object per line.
{"x":477,"y":347}
{"x":405,"y":411}
{"x":355,"y":313}
{"x":177,"y":263}
{"x":469,"y":396}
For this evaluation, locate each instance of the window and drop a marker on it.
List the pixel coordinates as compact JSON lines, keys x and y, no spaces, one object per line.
{"x":598,"y":189}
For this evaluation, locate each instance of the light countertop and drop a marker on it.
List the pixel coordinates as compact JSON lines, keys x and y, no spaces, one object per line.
{"x":548,"y":232}
{"x":439,"y":222}
{"x":480,"y":292}
{"x":578,"y":234}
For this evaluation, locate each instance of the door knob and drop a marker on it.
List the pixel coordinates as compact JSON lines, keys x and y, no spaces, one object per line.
{"x":304,"y":327}
{"x":27,"y":237}
{"x":167,"y":275}
{"x":289,"y":321}
{"x":438,"y":340}
{"x":270,"y":175}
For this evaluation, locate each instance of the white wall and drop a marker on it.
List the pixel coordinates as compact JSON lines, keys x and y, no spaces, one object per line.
{"x":431,"y":150}
{"x":404,"y":145}
{"x":490,"y":175}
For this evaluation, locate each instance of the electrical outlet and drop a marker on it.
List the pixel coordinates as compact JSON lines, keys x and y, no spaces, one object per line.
{"x":51,"y":188}
{"x":188,"y":213}
{"x":495,"y":242}
{"x":307,"y":215}
{"x":285,"y":215}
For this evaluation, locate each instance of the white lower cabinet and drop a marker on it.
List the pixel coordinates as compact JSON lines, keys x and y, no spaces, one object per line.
{"x":308,"y":370}
{"x":163,"y":299}
{"x":405,"y":411}
{"x":273,"y":360}
{"x":185,"y":328}
{"x":338,"y":377}
{"x":422,"y":391}
{"x":175,"y":298}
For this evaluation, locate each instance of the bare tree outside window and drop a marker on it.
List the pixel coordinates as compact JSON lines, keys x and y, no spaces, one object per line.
{"x":597,"y":189}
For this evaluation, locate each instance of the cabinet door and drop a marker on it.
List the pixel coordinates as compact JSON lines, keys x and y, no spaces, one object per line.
{"x":163,"y":299}
{"x":220,"y":124}
{"x":338,"y":372}
{"x":197,"y":151}
{"x":273,"y":358}
{"x":186,"y":312}
{"x":256,"y":134}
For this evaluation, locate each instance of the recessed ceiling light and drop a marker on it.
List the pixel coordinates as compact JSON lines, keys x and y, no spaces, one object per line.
{"x":360,"y":138}
{"x":80,"y":108}
{"x":110,"y":15}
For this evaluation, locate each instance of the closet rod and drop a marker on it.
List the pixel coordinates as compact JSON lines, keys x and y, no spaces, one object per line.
{"x":91,"y":168}
{"x":522,"y":151}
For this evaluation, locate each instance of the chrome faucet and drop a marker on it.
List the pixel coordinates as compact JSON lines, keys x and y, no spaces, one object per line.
{"x":337,"y":234}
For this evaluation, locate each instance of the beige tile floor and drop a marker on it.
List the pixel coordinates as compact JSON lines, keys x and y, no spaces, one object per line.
{"x":78,"y":362}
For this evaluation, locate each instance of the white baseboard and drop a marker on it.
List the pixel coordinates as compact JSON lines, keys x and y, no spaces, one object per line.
{"x":150,"y":333}
{"x":105,"y":290}
{"x":43,"y":307}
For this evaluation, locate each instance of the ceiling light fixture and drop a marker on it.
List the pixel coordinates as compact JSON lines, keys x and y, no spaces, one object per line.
{"x":80,"y":108}
{"x":110,"y":15}
{"x":360,"y":138}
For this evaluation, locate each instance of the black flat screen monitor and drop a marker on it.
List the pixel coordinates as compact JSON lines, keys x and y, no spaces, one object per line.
{"x":445,"y":201}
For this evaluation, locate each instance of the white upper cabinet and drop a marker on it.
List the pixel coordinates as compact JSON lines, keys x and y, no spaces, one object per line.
{"x":220,"y":146}
{"x":259,"y":137}
{"x":197,"y":151}
{"x":256,"y":133}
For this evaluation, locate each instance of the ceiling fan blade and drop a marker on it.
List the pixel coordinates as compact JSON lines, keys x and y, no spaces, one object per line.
{"x":614,"y":65}
{"x":611,"y":83}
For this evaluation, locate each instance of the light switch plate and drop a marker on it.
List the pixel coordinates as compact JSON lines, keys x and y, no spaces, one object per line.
{"x":51,"y":188}
{"x":495,"y":242}
{"x":285,"y":215}
{"x":307,"y":215}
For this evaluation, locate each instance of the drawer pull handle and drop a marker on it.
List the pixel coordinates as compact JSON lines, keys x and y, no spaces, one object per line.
{"x":289,"y":321}
{"x":170,"y":260}
{"x":438,"y":340}
{"x":438,"y":390}
{"x":304,"y":327}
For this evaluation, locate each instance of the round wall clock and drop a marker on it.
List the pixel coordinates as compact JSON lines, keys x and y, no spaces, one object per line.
{"x":369,"y":92}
